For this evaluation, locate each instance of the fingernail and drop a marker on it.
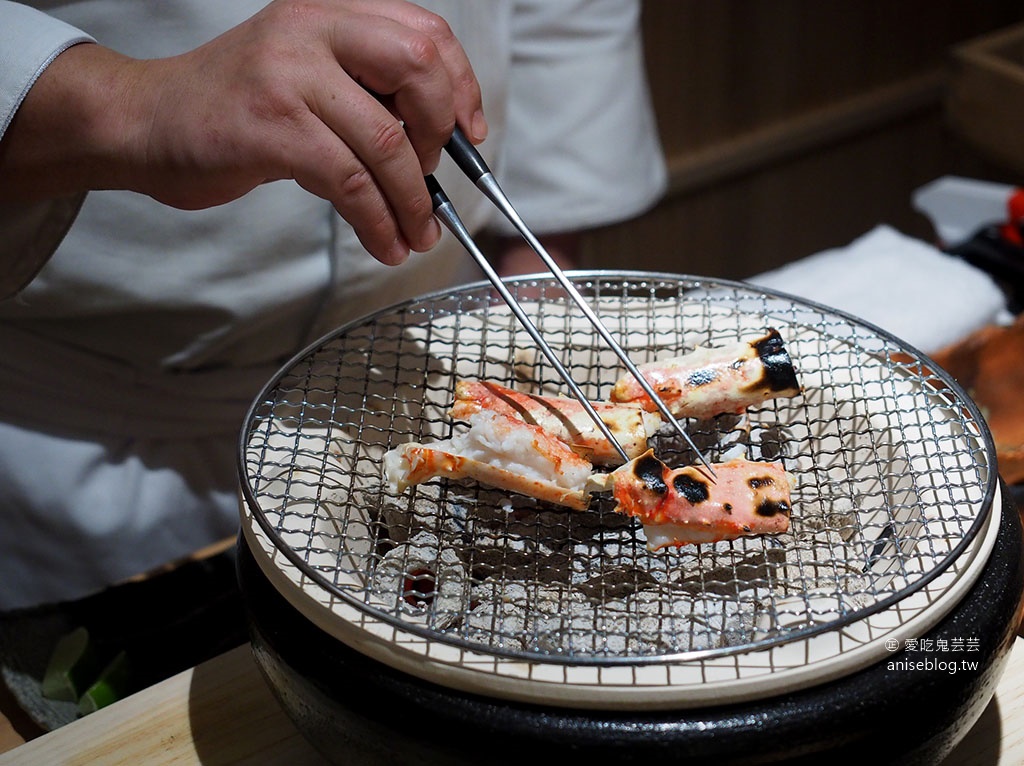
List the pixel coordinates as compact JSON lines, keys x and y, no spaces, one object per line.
{"x":479,"y":126}
{"x":431,"y":234}
{"x":397,"y":253}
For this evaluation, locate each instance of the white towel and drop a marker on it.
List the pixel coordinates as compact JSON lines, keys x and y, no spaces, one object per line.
{"x":905,"y":286}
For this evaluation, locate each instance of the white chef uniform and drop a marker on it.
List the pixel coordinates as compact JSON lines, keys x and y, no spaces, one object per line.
{"x":127,"y":362}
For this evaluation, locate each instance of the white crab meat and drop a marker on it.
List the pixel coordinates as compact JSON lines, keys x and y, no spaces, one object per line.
{"x":713,"y":381}
{"x":498,"y":451}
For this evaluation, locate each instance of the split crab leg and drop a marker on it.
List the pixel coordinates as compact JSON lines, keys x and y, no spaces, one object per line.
{"x":680,"y":506}
{"x":711,"y":381}
{"x":564,"y":418}
{"x":499,"y":451}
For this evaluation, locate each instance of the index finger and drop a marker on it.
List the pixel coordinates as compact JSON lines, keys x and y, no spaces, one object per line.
{"x":469,"y":112}
{"x":402,"y":68}
{"x":465,"y":88}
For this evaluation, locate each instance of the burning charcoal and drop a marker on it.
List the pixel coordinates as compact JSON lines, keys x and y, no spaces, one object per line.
{"x":836,"y":512}
{"x":798,"y":612}
{"x":701,"y":622}
{"x":421,"y":579}
{"x":819,"y":558}
{"x":607,"y":572}
{"x":565,"y":629}
{"x":499,"y":615}
{"x":403,"y":516}
{"x":397,"y":520}
{"x":728,"y":568}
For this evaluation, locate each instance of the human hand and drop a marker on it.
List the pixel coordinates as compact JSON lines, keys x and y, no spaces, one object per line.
{"x":288,"y":93}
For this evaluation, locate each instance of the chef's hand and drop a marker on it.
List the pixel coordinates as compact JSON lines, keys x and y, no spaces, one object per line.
{"x":282,"y":95}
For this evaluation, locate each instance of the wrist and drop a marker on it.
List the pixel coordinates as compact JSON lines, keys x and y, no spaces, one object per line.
{"x":76,"y":128}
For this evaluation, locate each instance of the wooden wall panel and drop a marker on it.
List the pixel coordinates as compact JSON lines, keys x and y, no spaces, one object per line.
{"x":792,"y":126}
{"x":763,"y":219}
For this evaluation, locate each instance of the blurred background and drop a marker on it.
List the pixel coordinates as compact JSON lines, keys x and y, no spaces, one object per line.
{"x":794,"y":126}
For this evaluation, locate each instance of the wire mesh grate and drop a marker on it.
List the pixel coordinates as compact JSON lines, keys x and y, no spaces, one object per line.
{"x":891,"y":461}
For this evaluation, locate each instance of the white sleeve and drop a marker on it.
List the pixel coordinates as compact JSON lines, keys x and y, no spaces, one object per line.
{"x":29,"y":41}
{"x":581,"y":147}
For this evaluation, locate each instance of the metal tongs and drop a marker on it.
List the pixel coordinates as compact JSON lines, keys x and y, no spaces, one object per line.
{"x":472,"y":164}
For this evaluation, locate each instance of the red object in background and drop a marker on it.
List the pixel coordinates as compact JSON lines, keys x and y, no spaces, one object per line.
{"x":987,"y":363}
{"x":998,"y":249}
{"x":1013,"y":230}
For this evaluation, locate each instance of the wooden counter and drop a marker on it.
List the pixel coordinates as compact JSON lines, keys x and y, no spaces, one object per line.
{"x":221,"y":712}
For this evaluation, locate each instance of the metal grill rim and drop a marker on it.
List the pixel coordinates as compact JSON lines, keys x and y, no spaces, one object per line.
{"x":597,"y":285}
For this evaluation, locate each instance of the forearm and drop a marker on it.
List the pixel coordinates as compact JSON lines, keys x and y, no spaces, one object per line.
{"x":74,"y":130}
{"x":29,"y":43}
{"x":353,"y":101}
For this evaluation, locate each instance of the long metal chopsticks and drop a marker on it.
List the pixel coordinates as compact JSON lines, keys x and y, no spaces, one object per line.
{"x":472,"y":164}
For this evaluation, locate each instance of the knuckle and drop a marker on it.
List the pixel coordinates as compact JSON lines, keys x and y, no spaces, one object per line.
{"x":464,"y":80}
{"x":297,"y":11}
{"x":389,"y":139}
{"x":436,"y":28}
{"x":421,"y":52}
{"x":356,"y":183}
{"x":276,"y":115}
{"x":420,"y":207}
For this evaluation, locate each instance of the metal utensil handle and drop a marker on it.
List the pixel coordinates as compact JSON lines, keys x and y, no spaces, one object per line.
{"x":473,"y":165}
{"x":446,"y":213}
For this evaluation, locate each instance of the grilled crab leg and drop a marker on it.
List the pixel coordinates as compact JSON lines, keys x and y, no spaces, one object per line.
{"x":712,"y":381}
{"x":499,"y":451}
{"x":564,"y":418}
{"x":681,"y":506}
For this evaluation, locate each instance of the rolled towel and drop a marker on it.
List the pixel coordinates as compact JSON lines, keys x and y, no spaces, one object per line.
{"x":907,"y":287}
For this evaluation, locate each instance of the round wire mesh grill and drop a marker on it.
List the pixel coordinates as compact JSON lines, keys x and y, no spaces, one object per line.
{"x":891,"y":460}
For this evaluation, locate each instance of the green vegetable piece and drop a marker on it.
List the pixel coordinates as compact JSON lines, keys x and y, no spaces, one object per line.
{"x":112,"y":685}
{"x":71,"y":668}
